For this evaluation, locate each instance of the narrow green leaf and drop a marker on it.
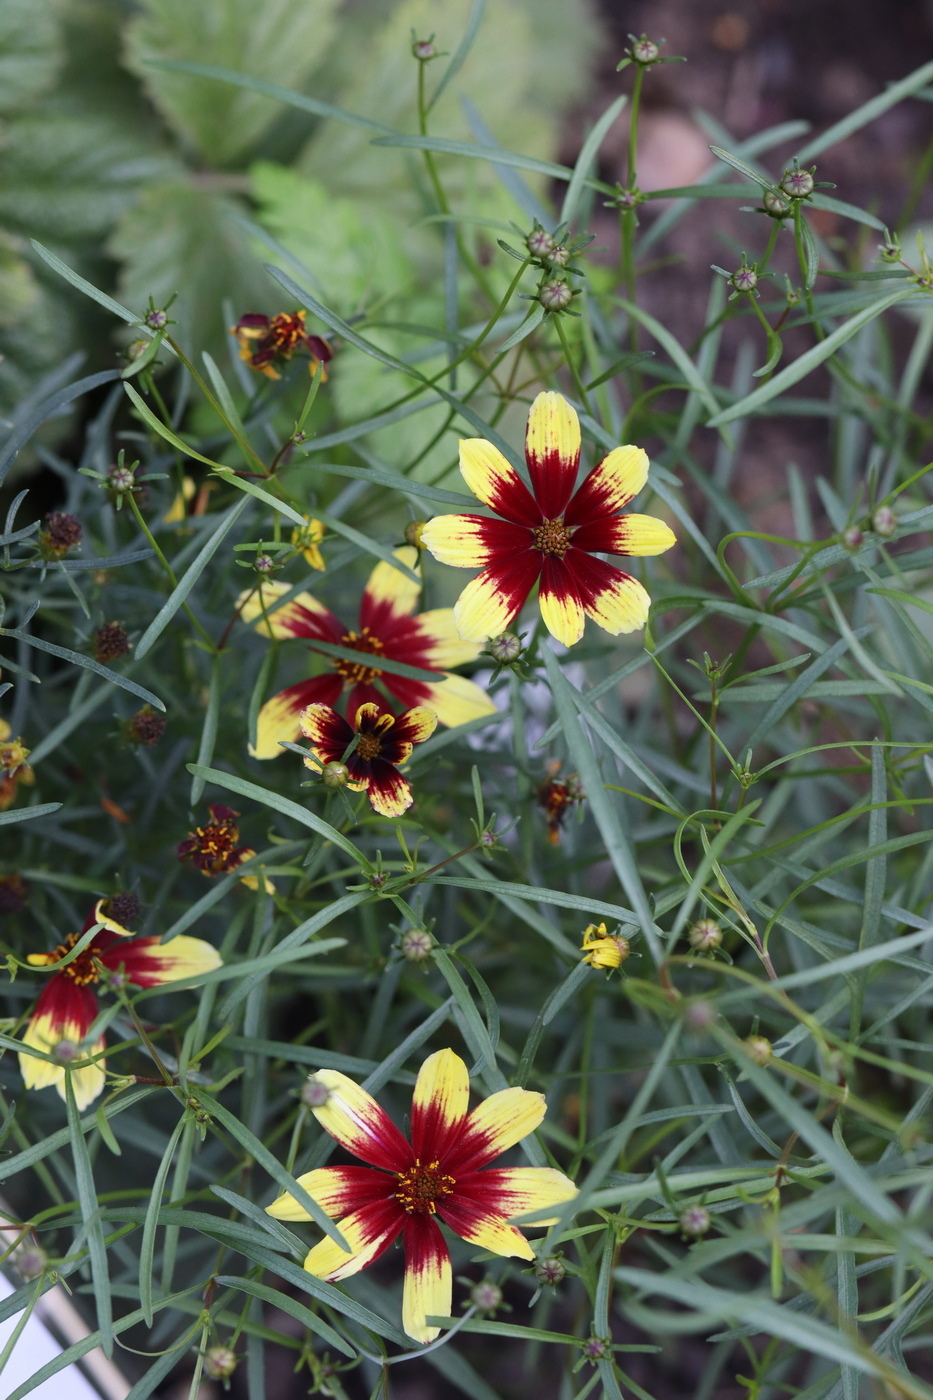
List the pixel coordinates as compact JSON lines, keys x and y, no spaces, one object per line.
{"x":88,"y":289}
{"x":283,"y":805}
{"x":159,"y":427}
{"x":292,"y":1307}
{"x":587,"y":158}
{"x":28,"y":814}
{"x":397,"y":482}
{"x":369,"y":546}
{"x":150,"y":1225}
{"x":494,"y":154}
{"x":675,"y":350}
{"x":532,"y":322}
{"x":90,"y":1211}
{"x":87,"y":662}
{"x":395,"y":668}
{"x":868,"y":112}
{"x":250,"y":488}
{"x":811,"y":253}
{"x":208,"y":729}
{"x":747,"y":170}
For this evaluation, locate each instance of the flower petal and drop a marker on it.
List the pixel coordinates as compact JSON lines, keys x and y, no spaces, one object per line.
{"x":65,"y":1011}
{"x":389,"y":793}
{"x":494,"y":1126}
{"x":439,"y":1105}
{"x":610,"y":485}
{"x":431,"y":639}
{"x":512,"y":1191}
{"x":414,"y":726}
{"x":97,"y":916}
{"x":457,"y":700}
{"x":329,"y":733}
{"x":496,"y":482}
{"x":428,"y":1290}
{"x":389,"y":595}
{"x":354,"y":1118}
{"x":614,"y":600}
{"x":368,"y":1231}
{"x":552,"y":451}
{"x":146,"y":962}
{"x":559,"y":600}
{"x":480,"y":1225}
{"x":625,"y":534}
{"x":473,"y":541}
{"x":337,"y":1190}
{"x":304,"y":616}
{"x":279,"y":717}
{"x":495,"y":597}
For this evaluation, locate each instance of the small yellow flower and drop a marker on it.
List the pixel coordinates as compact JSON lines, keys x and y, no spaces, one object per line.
{"x":601,"y":949}
{"x":307,"y":537}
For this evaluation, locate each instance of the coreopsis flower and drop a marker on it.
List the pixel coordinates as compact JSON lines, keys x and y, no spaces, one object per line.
{"x":603,"y":950}
{"x":267,"y":342}
{"x":383,"y":743}
{"x":13,"y":766}
{"x":62,"y":532}
{"x":557,"y":796}
{"x":307,"y":538}
{"x":67,"y":1007}
{"x":439,"y":1173}
{"x":386,"y":627}
{"x":551,"y":533}
{"x":215,"y":850}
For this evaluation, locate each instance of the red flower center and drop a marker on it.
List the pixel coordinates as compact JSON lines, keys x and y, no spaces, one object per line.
{"x":354,"y":672}
{"x":421,"y":1187}
{"x":552,"y":537}
{"x":82,"y":970}
{"x":285,"y":333}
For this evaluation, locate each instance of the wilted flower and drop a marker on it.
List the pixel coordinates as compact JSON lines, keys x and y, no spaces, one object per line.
{"x":145,"y":727}
{"x":413,"y":533}
{"x":384,"y":742}
{"x":67,"y":1006}
{"x":386,"y":628}
{"x":13,"y":766}
{"x":603,"y":950}
{"x":307,"y":537}
{"x":110,"y":641}
{"x":550,"y":533}
{"x":557,"y":796}
{"x":266,"y":343}
{"x":437,"y":1173}
{"x":62,"y":532}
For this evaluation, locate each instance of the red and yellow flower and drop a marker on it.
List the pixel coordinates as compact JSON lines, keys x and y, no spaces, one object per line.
{"x":386,"y":628}
{"x":67,"y":1007}
{"x":550,"y":533}
{"x":215,"y":850}
{"x":267,"y":342}
{"x":437,"y":1176}
{"x":383,"y":743}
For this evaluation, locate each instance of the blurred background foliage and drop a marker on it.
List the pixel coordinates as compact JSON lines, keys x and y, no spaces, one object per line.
{"x":147,"y":181}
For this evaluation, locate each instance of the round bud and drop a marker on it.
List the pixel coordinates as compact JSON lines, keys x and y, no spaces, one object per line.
{"x":314,"y":1092}
{"x":488,"y":840}
{"x":505,"y":648}
{"x":539,"y":242}
{"x":776,"y":204}
{"x":595,"y":1348}
{"x":424,"y":49}
{"x":377,"y":879}
{"x":550,"y":1270}
{"x":884,"y":521}
{"x":852,"y":538}
{"x":487,"y":1296}
{"x":335,"y":775}
{"x":759,"y":1049}
{"x":413,"y":532}
{"x":705,"y":936}
{"x":628,"y":199}
{"x":30,"y":1261}
{"x":559,"y":256}
{"x":699,"y":1015}
{"x":156,"y":319}
{"x":220,"y":1363}
{"x":645,"y":51}
{"x":66,"y":1051}
{"x":797,"y":183}
{"x":121,"y":479}
{"x":264,"y":564}
{"x":695,"y":1221}
{"x":744,"y":279}
{"x":555,"y":294}
{"x":416,"y":944}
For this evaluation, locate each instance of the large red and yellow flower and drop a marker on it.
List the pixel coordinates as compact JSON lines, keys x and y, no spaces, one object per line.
{"x":67,"y":1007}
{"x":551,"y":532}
{"x":436,"y":1176}
{"x":386,"y":628}
{"x":383,"y":744}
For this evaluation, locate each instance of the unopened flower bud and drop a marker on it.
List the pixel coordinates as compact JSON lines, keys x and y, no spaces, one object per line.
{"x":555,"y":295}
{"x":377,"y":879}
{"x":424,"y":49}
{"x":120,"y":480}
{"x":797,"y":183}
{"x":156,"y":319}
{"x":416,"y":944}
{"x":705,"y":936}
{"x":852,"y":538}
{"x":66,"y":1051}
{"x":488,"y":840}
{"x":264,"y":564}
{"x":136,"y":348}
{"x":595,"y":1348}
{"x":884,"y":521}
{"x":220,"y":1363}
{"x":314,"y":1092}
{"x":550,"y":1270}
{"x":776,"y":204}
{"x":628,"y":199}
{"x":539,"y":242}
{"x":699,"y":1014}
{"x":30,"y":1261}
{"x":695,"y":1221}
{"x":645,"y":51}
{"x":335,"y":775}
{"x":413,"y":531}
{"x":744,"y":279}
{"x":505,"y":648}
{"x":559,"y":255}
{"x":487,"y":1296}
{"x":759,"y":1049}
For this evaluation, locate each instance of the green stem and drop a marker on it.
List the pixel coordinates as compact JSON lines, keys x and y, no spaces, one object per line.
{"x":633,"y":127}
{"x":571,"y":364}
{"x":169,"y":571}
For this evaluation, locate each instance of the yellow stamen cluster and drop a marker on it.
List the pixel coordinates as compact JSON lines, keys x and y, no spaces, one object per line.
{"x":421,"y":1186}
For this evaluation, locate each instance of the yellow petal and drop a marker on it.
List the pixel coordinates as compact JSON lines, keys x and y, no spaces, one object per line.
{"x":439,"y":1103}
{"x":184,"y":957}
{"x":445,"y":646}
{"x":279,"y":719}
{"x":645,"y":534}
{"x":332,"y":1188}
{"x":460,"y":540}
{"x":610,"y":485}
{"x":388,"y":585}
{"x":366,"y":1231}
{"x":622,"y":607}
{"x":456,"y":700}
{"x":553,"y":427}
{"x":259,"y":606}
{"x":497,"y":1124}
{"x":355,"y":1119}
{"x":428,"y":1289}
{"x":111,"y":924}
{"x":484,"y":1227}
{"x":518,"y":1191}
{"x":563,"y":616}
{"x":486,"y":472}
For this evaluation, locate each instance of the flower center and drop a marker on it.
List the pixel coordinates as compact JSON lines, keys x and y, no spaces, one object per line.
{"x":369,"y":747}
{"x":82,"y":970}
{"x":285,"y":332}
{"x":421,"y":1187}
{"x":354,"y":672}
{"x":552,"y":537}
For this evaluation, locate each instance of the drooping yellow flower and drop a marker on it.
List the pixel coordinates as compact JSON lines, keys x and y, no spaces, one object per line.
{"x":601,"y":949}
{"x":308,"y":537}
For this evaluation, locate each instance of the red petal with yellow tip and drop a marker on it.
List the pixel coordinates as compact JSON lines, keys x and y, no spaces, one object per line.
{"x":634,"y":535}
{"x":428,"y":1290}
{"x":614,"y":600}
{"x":439,"y":1105}
{"x":610,"y":485}
{"x":552,"y":451}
